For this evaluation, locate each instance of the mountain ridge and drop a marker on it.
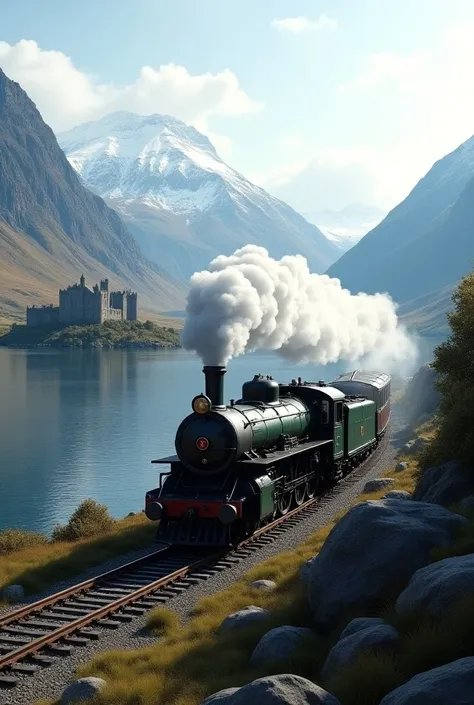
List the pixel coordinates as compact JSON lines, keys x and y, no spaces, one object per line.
{"x":47,"y":215}
{"x":426,"y":242}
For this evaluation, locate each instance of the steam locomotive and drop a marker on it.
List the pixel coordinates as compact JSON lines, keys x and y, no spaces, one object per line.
{"x":240,"y":466}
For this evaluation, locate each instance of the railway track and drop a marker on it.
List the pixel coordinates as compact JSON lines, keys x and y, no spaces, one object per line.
{"x":32,"y":637}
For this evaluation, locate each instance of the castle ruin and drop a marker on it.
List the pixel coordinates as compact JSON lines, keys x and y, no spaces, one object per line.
{"x":81,"y":305}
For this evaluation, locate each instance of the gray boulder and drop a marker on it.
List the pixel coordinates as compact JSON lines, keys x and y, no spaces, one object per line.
{"x":266,"y":585}
{"x":283,"y":689}
{"x":377,"y":545}
{"x":82,"y":689}
{"x":378,"y":484}
{"x":305,"y":571}
{"x":359,"y":623}
{"x":435,"y":587}
{"x":452,"y":683}
{"x":400,"y":467}
{"x":443,"y":484}
{"x":243,"y":618}
{"x":397,"y":494}
{"x":467,"y":503}
{"x":278,"y":644}
{"x":421,"y":397}
{"x":13,"y":593}
{"x":360,"y":639}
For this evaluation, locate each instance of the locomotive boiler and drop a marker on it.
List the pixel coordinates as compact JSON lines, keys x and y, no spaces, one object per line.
{"x":238,"y":466}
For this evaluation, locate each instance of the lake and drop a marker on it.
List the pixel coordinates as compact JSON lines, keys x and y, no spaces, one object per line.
{"x":77,"y":423}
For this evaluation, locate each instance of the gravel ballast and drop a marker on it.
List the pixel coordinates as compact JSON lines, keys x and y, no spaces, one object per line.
{"x":50,"y":682}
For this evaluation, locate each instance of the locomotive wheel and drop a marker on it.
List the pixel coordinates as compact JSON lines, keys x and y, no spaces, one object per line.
{"x":283,"y":503}
{"x":312,"y":487}
{"x":301,"y":490}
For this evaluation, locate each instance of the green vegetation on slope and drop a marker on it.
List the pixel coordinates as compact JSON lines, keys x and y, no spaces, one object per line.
{"x":454,"y":363}
{"x":111,"y":334}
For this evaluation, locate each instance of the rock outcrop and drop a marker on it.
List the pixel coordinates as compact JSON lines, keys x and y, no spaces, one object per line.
{"x":284,"y":689}
{"x":452,"y":683}
{"x":421,"y":397}
{"x":81,"y":690}
{"x":266,"y":585}
{"x":360,"y":635}
{"x":376,"y":546}
{"x":443,"y":484}
{"x":436,"y":587}
{"x":397,"y":494}
{"x":243,"y":618}
{"x":378,"y":484}
{"x":278,"y":644}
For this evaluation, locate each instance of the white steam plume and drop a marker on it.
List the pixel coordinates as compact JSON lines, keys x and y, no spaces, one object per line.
{"x":249,"y":301}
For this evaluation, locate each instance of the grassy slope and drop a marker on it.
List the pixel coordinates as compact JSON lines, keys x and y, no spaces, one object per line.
{"x":196,"y":661}
{"x":37,"y":567}
{"x":111,"y":333}
{"x":30,"y":275}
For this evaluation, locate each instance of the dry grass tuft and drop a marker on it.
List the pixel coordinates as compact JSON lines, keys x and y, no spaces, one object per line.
{"x":12,"y":540}
{"x":162,"y":621}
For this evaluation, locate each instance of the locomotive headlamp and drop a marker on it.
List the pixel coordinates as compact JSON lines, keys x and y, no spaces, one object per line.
{"x":201,"y":404}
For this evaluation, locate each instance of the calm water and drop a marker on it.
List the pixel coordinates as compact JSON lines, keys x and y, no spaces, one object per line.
{"x":77,"y":424}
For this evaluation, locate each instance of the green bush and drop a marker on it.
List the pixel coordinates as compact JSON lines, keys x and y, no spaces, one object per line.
{"x":454,"y":363}
{"x":89,"y":520}
{"x":12,"y":540}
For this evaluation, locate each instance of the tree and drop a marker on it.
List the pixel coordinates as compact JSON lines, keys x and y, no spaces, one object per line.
{"x":454,"y":363}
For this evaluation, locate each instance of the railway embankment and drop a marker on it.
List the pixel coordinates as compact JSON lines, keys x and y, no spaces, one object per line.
{"x":33,"y":564}
{"x":375,"y":607}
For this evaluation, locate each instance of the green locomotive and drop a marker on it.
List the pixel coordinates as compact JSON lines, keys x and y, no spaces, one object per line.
{"x":240,"y":465}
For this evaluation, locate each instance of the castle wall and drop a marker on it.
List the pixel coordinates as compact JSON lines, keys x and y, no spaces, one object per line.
{"x":132,"y":307}
{"x":42,"y":316}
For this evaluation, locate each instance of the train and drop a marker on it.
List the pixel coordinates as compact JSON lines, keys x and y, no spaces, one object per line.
{"x":239,"y":466}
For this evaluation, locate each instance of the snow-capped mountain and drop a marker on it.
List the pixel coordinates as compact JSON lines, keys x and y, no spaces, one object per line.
{"x":183,"y":203}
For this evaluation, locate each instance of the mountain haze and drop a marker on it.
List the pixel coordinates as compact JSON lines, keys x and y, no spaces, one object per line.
{"x":426,"y":243}
{"x":52,"y":228}
{"x":182,"y":202}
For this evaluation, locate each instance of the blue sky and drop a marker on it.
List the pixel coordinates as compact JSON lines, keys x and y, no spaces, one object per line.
{"x":355,"y":106}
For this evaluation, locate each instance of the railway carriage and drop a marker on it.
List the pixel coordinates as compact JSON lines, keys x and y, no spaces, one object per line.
{"x":241,"y":465}
{"x":372,"y":385}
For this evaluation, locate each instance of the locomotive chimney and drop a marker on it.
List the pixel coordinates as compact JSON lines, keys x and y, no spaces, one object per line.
{"x":214,"y":375}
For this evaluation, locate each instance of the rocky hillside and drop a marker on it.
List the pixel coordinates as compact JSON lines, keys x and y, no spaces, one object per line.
{"x":52,"y":227}
{"x":183,"y":203}
{"x":424,"y":246}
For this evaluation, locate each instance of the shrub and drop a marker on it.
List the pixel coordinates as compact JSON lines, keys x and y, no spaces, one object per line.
{"x":12,"y":540}
{"x":453,"y":362}
{"x":90,"y":519}
{"x":161,"y":621}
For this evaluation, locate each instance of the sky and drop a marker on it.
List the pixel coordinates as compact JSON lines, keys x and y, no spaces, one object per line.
{"x":324,"y":104}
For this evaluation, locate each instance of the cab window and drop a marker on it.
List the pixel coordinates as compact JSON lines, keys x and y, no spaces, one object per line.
{"x":339,"y":412}
{"x":325,"y":412}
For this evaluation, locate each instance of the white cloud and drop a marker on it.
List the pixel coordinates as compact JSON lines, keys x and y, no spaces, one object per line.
{"x":292,"y":142}
{"x":303,"y":24}
{"x":67,"y":96}
{"x":385,"y":66}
